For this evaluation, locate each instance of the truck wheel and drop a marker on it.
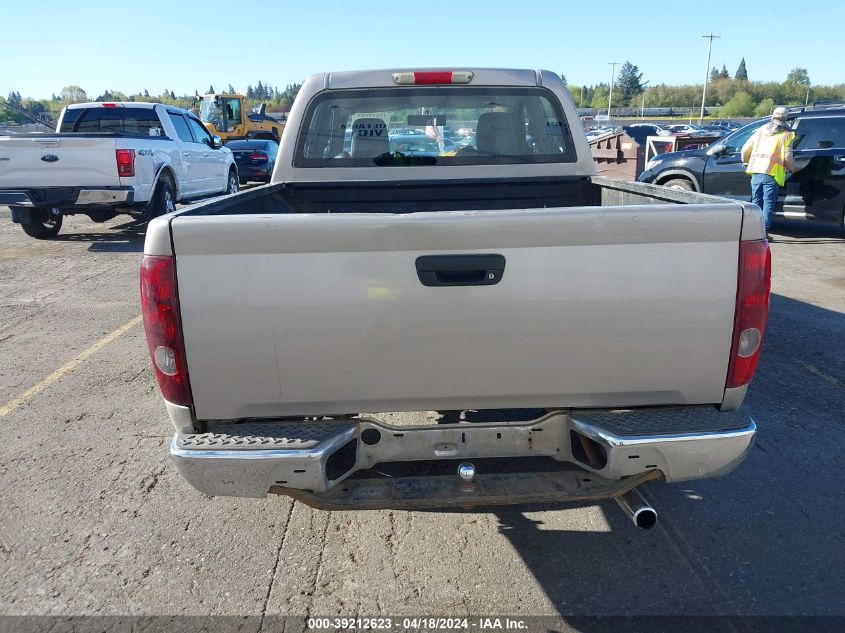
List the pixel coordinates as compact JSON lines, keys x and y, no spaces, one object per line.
{"x":164,"y":201}
{"x":679,"y":183}
{"x":232,"y":187}
{"x":44,"y":225}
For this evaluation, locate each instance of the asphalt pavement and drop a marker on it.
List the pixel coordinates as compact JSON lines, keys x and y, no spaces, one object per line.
{"x":95,"y":521}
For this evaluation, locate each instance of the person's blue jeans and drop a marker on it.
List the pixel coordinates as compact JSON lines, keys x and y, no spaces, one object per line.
{"x":764,"y":193}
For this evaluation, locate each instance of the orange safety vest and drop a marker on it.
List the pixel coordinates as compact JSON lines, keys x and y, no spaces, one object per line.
{"x":768,"y":154}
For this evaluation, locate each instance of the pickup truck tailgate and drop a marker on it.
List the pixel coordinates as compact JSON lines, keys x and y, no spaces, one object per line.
{"x":309,"y":314}
{"x":57,"y":161}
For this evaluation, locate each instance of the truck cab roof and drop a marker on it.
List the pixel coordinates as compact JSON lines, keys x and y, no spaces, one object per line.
{"x":113,"y":104}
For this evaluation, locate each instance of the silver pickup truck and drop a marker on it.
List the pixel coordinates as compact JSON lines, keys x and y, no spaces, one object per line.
{"x":437,"y":241}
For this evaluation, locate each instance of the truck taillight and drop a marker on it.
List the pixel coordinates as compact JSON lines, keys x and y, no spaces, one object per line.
{"x":162,"y":325}
{"x":125,"y":162}
{"x":752,"y":309}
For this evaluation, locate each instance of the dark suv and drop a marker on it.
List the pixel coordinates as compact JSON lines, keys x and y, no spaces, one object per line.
{"x":815,"y":192}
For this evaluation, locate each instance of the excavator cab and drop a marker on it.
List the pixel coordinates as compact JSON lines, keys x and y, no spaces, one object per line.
{"x":224,"y":112}
{"x":224,"y":115}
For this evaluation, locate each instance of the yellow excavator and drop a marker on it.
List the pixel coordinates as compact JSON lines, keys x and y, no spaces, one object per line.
{"x":225,"y":116}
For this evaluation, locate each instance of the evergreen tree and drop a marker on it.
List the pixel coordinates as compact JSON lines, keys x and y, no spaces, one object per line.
{"x":714,"y":73}
{"x":260,"y":92}
{"x":629,"y":82}
{"x":231,"y":90}
{"x":173,"y":95}
{"x":250,"y":92}
{"x":724,"y":74}
{"x":563,"y":78}
{"x":211,"y":89}
{"x":741,"y":72}
{"x":146,"y":93}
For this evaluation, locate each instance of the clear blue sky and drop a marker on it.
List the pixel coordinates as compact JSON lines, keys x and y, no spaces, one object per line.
{"x":183,"y":46}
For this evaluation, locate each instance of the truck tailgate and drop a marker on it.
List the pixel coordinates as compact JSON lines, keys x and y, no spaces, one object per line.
{"x":309,"y":314}
{"x":57,"y":161}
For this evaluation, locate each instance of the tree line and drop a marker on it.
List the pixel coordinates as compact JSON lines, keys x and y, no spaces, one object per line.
{"x":263,"y":93}
{"x":737,"y":95}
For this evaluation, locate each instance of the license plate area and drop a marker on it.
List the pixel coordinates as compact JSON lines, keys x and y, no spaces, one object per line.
{"x":548,"y":436}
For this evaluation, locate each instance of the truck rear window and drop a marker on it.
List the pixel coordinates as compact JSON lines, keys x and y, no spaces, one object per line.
{"x":130,"y":121}
{"x":434,"y":125}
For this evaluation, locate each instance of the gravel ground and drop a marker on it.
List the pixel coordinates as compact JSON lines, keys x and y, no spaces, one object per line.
{"x":95,"y":521}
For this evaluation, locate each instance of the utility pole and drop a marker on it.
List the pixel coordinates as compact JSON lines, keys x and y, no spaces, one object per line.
{"x":710,"y":37}
{"x":612,"y":77}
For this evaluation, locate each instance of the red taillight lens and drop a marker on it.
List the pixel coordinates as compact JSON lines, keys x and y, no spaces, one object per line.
{"x":258,"y":156}
{"x":443,"y":77}
{"x":752,"y":309}
{"x":125,"y":162}
{"x":160,"y":308}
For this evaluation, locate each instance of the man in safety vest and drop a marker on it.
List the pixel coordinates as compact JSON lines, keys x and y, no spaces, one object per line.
{"x":768,"y":155}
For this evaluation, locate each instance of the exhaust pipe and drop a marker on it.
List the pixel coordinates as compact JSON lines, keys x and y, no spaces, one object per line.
{"x":638,"y":509}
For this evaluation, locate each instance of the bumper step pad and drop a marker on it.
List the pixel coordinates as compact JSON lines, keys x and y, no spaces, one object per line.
{"x":664,"y":421}
{"x":264,"y":435}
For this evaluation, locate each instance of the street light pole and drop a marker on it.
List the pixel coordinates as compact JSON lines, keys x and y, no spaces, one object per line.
{"x":710,"y":37}
{"x":610,"y":94}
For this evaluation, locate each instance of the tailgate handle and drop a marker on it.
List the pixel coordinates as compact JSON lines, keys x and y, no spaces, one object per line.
{"x":460,"y":270}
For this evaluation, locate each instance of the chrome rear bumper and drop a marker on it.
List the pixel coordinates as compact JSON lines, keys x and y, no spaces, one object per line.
{"x":309,"y":459}
{"x":68,"y":197}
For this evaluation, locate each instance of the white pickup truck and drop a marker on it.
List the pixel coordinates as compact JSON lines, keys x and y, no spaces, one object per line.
{"x":110,"y":158}
{"x":438,"y":241}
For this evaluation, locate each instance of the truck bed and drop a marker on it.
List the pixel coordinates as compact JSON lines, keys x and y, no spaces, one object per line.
{"x":415,"y":196}
{"x":607,"y":290}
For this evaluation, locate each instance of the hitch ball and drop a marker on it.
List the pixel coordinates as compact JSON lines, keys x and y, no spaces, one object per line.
{"x":466,"y":471}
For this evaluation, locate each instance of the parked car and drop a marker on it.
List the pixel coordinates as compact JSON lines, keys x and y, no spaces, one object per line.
{"x":598,"y":132}
{"x":255,"y":159}
{"x":110,"y":158}
{"x":414,"y":144}
{"x":726,"y":123}
{"x":816,"y":192}
{"x":682,"y":129}
{"x":405,"y":131}
{"x":510,"y":277}
{"x":715,"y":130}
{"x":641,"y":131}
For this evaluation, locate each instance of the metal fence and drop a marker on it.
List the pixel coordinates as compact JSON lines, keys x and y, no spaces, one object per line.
{"x":672,"y":111}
